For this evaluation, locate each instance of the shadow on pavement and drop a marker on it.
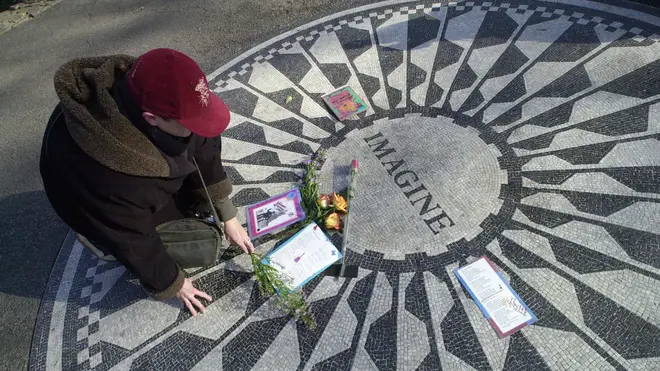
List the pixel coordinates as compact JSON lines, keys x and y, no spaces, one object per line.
{"x":30,"y":239}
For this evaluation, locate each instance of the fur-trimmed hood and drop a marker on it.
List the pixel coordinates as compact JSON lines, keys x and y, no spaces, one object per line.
{"x":84,"y":87}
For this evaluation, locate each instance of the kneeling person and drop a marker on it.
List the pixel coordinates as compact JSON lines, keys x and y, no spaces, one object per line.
{"x":122,"y":156}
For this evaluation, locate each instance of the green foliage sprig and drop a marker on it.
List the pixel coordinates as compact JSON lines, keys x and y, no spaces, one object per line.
{"x":271,"y":281}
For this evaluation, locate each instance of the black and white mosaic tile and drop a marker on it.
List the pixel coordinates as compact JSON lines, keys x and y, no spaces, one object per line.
{"x":526,"y":131}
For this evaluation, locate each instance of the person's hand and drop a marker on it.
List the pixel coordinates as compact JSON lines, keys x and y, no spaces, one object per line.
{"x":238,"y":235}
{"x":188,"y":294}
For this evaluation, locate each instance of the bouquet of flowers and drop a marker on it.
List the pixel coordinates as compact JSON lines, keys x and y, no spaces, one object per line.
{"x":326,"y":211}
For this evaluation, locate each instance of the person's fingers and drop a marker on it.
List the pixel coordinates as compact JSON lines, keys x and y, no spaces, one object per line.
{"x":241,"y":243}
{"x":203,"y":295}
{"x":199,"y":305}
{"x":190,"y":307}
{"x":249,"y":244}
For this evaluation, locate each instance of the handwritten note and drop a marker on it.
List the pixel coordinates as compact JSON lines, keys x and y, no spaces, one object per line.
{"x":305,"y":255}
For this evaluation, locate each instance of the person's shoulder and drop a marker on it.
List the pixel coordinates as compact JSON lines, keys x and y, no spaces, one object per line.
{"x":207,"y":147}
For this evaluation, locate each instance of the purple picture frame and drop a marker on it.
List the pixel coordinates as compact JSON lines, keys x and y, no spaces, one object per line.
{"x":293,"y":194}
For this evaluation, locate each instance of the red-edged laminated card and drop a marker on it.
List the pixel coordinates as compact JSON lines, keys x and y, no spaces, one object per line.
{"x":501,"y":306}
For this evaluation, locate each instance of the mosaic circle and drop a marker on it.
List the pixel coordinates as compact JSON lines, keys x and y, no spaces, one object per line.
{"x":524,"y":131}
{"x":424,"y":183}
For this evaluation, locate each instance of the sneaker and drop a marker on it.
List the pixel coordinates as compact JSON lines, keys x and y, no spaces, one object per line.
{"x":99,"y":254}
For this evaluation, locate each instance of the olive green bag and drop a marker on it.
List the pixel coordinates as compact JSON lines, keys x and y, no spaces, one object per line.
{"x":192,"y":242}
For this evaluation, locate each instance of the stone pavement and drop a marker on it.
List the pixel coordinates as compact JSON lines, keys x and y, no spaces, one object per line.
{"x":524,"y":131}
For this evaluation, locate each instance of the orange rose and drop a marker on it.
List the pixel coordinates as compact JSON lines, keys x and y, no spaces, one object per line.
{"x":332,"y":221}
{"x":339,"y":202}
{"x":323,"y":201}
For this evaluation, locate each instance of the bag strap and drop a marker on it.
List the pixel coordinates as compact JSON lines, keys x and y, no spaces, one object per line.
{"x":208,"y":196}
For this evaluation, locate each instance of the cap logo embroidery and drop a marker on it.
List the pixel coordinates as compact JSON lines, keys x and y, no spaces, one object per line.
{"x":203,"y":91}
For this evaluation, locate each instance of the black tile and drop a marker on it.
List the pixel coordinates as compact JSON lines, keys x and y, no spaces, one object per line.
{"x":249,"y":196}
{"x":354,"y":41}
{"x":553,"y":117}
{"x":641,"y":246}
{"x":430,"y":363}
{"x":359,"y":298}
{"x":591,"y":154}
{"x":535,"y":143}
{"x":416,"y":299}
{"x":236,"y":355}
{"x":247,"y":131}
{"x":370,"y":85}
{"x":547,"y":315}
{"x":522,"y":355}
{"x":628,"y":121}
{"x":221,"y":282}
{"x":337,"y":73}
{"x":581,"y":259}
{"x":598,"y":204}
{"x":572,"y":45}
{"x":548,"y":218}
{"x":280,"y":176}
{"x":512,"y":115}
{"x":180,"y":351}
{"x":280,"y":98}
{"x":553,"y":177}
{"x":627,"y":333}
{"x":111,"y":355}
{"x":520,"y":256}
{"x":340,"y":361}
{"x":415,"y":77}
{"x":643,"y":82}
{"x":293,"y":66}
{"x":572,"y":82}
{"x":464,"y":78}
{"x":496,"y":29}
{"x":640,"y":179}
{"x":509,"y":62}
{"x":514,"y":90}
{"x":290,"y":125}
{"x":381,"y":340}
{"x":460,"y":339}
{"x":239,"y":101}
{"x":322,"y":311}
{"x":262,"y":157}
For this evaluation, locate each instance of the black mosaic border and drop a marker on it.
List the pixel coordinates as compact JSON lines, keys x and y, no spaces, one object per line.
{"x":556,"y":9}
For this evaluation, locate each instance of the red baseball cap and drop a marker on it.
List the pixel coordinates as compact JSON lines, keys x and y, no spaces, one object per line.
{"x":171,"y":85}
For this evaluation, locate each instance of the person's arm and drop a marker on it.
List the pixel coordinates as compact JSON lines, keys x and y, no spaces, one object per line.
{"x":208,"y":158}
{"x":219,"y":185}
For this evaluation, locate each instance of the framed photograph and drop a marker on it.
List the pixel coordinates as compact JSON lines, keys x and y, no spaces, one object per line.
{"x":344,"y":102}
{"x":275,"y":213}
